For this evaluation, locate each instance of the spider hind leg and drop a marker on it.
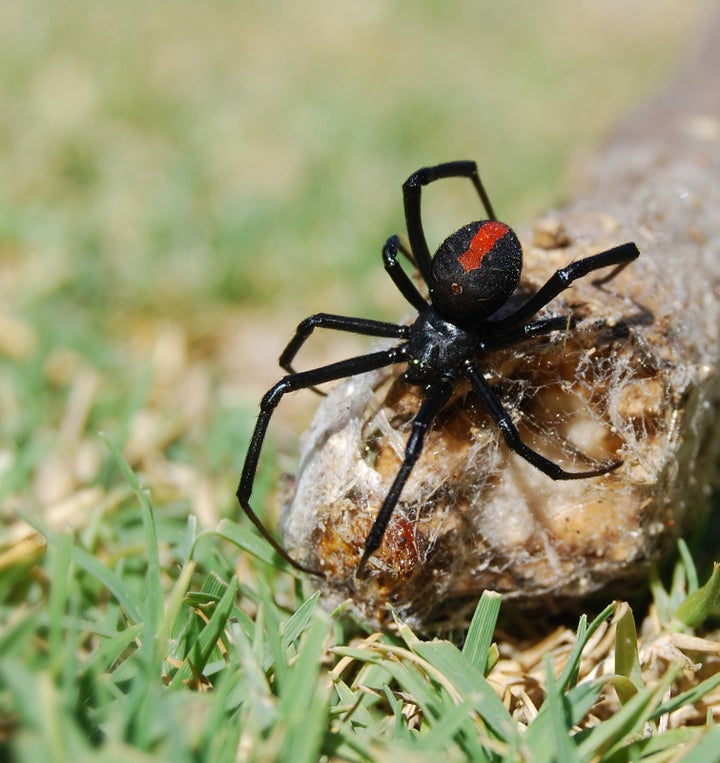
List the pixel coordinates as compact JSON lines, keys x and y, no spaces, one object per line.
{"x":512,"y":437}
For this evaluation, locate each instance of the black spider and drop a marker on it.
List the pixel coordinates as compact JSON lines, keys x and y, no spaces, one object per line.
{"x":472,"y":275}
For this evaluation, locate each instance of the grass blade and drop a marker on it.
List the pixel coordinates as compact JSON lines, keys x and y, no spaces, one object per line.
{"x":560,"y":721}
{"x":154,"y":596}
{"x":629,"y":720}
{"x":703,"y":603}
{"x":480,"y":633}
{"x":195,"y":662}
{"x":627,"y":659}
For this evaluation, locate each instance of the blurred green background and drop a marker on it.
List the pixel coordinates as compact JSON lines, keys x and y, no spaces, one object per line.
{"x":163,"y":156}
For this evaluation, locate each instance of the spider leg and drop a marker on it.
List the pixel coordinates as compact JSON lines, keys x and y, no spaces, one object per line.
{"x":269,"y":402}
{"x":620,"y":255}
{"x":399,"y":277}
{"x":363,"y":326}
{"x":438,"y":395}
{"x":530,"y":330}
{"x":512,"y":437}
{"x":412,"y":189}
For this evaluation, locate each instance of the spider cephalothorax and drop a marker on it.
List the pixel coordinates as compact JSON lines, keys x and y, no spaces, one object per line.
{"x":470,"y":279}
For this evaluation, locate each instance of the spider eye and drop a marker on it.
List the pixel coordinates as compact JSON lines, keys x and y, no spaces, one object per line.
{"x":476,"y":270}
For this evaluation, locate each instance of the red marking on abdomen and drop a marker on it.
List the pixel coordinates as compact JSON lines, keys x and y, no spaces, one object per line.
{"x":483,"y":241}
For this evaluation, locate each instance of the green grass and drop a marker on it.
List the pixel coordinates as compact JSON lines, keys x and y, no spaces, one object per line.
{"x":111,"y":665}
{"x":178,"y":179}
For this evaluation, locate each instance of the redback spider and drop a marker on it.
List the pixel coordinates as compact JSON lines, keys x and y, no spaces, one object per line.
{"x":471,"y":277}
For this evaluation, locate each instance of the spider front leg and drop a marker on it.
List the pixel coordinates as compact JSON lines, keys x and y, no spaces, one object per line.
{"x":362,"y":326}
{"x":268,"y":404}
{"x":399,"y":277}
{"x":512,"y":437}
{"x":412,"y":190}
{"x":438,"y":395}
{"x":621,"y":255}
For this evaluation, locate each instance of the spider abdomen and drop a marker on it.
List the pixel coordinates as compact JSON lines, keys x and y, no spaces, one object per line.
{"x":475,"y":270}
